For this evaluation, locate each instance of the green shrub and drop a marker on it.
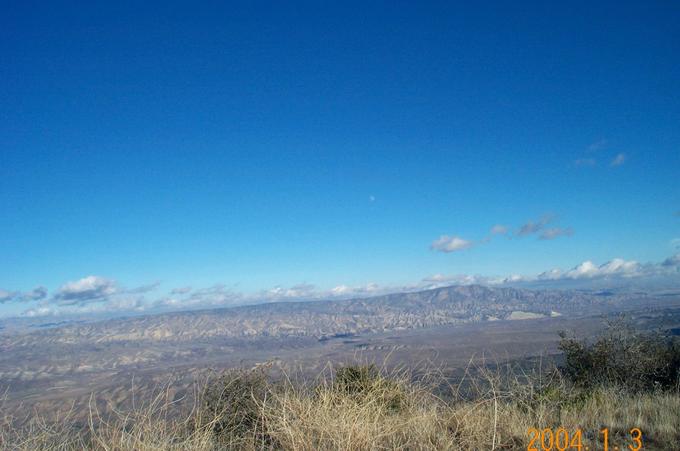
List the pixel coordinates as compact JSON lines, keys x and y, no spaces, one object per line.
{"x":364,"y":382}
{"x":232,"y":404}
{"x":622,"y":357}
{"x":355,"y":379}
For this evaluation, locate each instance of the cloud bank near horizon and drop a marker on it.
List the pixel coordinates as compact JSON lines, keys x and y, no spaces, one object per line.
{"x":101,"y":295}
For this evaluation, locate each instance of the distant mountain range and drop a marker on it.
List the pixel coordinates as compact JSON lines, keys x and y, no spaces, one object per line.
{"x":322,"y":319}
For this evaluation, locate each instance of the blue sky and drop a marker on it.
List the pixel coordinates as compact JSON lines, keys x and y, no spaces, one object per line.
{"x":259,"y":146}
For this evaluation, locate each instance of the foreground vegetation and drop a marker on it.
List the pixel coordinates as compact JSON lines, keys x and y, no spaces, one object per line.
{"x":620,"y":381}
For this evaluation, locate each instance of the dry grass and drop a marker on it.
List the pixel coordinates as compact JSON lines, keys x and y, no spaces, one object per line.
{"x":370,"y":410}
{"x":501,"y":417}
{"x":375,"y":412}
{"x":153,"y":425}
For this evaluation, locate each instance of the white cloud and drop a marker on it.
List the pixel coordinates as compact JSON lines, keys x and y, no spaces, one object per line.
{"x":91,"y":294}
{"x":589,"y":270}
{"x":87,"y":289}
{"x":613,"y":270}
{"x":220,"y":296}
{"x":619,"y":159}
{"x":439,"y":280}
{"x":621,"y":267}
{"x":345,"y":291}
{"x":41,"y":311}
{"x":112,"y":305}
{"x":447,"y":244}
{"x":341,"y":290}
{"x":585,"y":269}
{"x":299,"y":291}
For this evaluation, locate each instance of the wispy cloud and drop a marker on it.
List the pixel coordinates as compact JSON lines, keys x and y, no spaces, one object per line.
{"x":448,"y":244}
{"x":555,"y":232}
{"x":593,"y":148}
{"x":499,"y":229}
{"x":618,"y":160}
{"x":144,"y":288}
{"x":594,"y":151}
{"x":584,"y":162}
{"x":598,"y":145}
{"x":221,"y":296}
{"x":216,"y":295}
{"x":438,"y":278}
{"x":532,"y":227}
{"x":454,"y":243}
{"x":673,"y":261}
{"x":35,"y":294}
{"x":180,"y":290}
{"x":539,"y":227}
{"x":7,"y":296}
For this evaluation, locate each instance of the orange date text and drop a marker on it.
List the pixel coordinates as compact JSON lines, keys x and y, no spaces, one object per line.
{"x":561,"y":439}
